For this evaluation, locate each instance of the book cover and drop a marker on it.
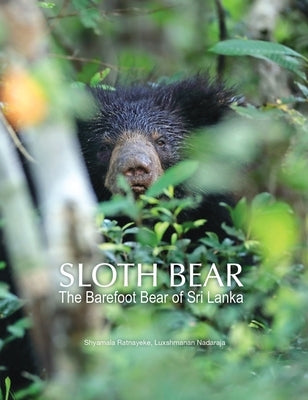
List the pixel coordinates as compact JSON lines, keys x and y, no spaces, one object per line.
{"x":153,"y":200}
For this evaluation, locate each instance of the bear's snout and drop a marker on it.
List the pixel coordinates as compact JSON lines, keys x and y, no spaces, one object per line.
{"x":137,"y":160}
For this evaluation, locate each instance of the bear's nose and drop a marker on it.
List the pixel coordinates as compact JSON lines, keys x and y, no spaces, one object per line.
{"x":136,"y":171}
{"x":137,"y":161}
{"x":136,"y":166}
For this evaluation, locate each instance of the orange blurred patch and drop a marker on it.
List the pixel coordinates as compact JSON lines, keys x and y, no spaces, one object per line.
{"x":24,"y":100}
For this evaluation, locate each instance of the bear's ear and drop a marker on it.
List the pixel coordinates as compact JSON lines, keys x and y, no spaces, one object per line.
{"x":199,"y":101}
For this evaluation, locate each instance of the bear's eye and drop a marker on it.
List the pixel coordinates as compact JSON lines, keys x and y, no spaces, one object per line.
{"x":104,"y":152}
{"x":160,"y":142}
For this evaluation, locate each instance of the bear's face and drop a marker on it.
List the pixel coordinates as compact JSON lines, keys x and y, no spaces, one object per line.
{"x":140,"y":131}
{"x":140,"y":152}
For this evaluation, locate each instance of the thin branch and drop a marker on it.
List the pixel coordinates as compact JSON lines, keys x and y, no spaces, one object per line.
{"x":138,"y":11}
{"x":84,"y":59}
{"x":16,"y":139}
{"x":62,"y":16}
{"x":221,"y":64}
{"x":132,"y":11}
{"x":91,"y":60}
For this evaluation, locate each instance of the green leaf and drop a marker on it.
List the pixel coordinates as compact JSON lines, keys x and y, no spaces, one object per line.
{"x":19,"y":328}
{"x":7,"y":387}
{"x":89,"y":17}
{"x":99,"y":77}
{"x":187,"y":226}
{"x":251,"y":112}
{"x":32,"y":391}
{"x":231,"y":231}
{"x":119,"y":205}
{"x":274,"y":224}
{"x":147,"y":237}
{"x":9,"y":304}
{"x":45,"y":4}
{"x":263,"y":200}
{"x":303,"y":89}
{"x":160,"y":229}
{"x":83,"y":4}
{"x":114,"y":247}
{"x":278,"y":53}
{"x":239,"y":214}
{"x":173,"y":176}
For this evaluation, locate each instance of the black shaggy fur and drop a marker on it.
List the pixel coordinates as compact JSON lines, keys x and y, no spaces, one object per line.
{"x":174,"y":111}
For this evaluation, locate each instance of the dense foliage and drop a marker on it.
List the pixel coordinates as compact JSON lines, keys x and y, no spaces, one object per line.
{"x":253,"y":349}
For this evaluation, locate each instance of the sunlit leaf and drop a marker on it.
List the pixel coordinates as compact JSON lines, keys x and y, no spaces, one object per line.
{"x":278,"y":53}
{"x":174,"y":176}
{"x":275,"y":226}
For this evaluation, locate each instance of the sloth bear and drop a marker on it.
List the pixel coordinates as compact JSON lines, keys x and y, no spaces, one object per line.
{"x":140,"y":131}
